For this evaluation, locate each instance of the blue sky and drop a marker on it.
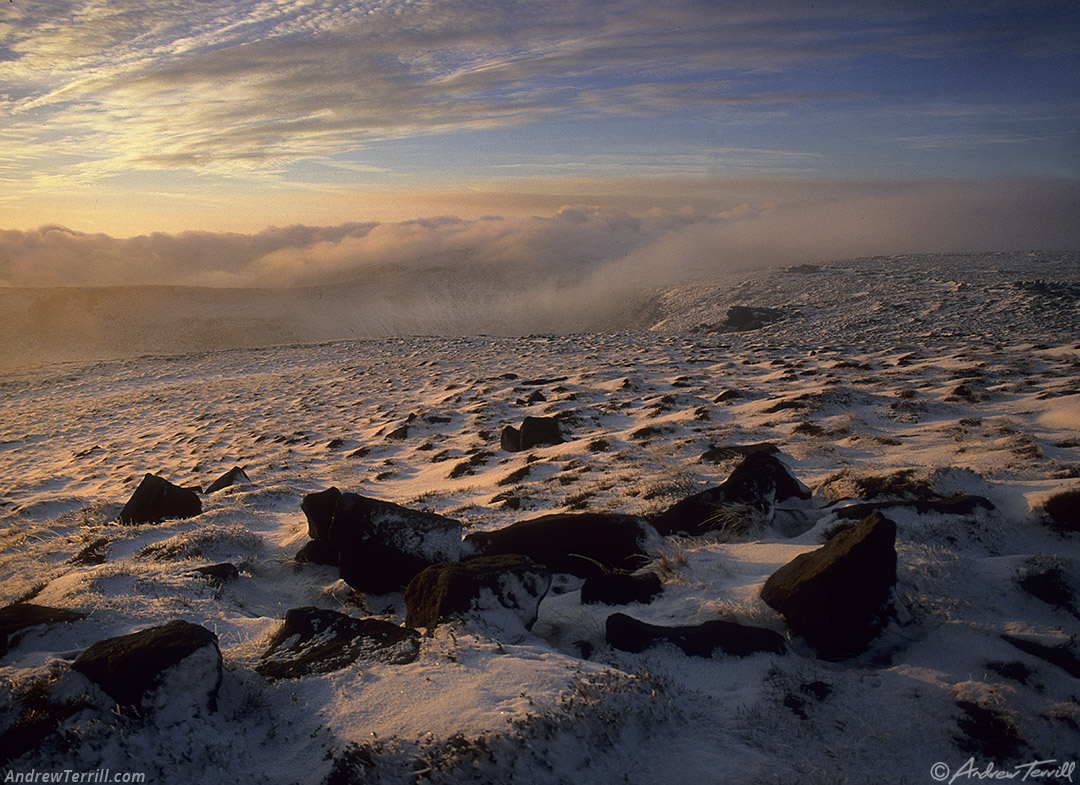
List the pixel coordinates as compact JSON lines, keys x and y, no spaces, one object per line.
{"x":131,"y":117}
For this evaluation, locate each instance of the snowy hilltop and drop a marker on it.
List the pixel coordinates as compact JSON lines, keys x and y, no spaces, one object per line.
{"x":804,"y":524}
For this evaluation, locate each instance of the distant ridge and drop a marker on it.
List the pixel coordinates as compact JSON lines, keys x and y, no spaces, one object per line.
{"x":928,"y":297}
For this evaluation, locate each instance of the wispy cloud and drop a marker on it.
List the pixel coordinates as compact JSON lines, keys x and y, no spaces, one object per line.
{"x":101,"y":88}
{"x":588,"y":248}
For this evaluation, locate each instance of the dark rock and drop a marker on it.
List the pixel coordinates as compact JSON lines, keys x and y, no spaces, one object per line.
{"x":831,"y":596}
{"x":313,"y":640}
{"x":22,"y":615}
{"x":129,"y":667}
{"x":742,"y":317}
{"x":382,"y":546}
{"x":399,"y":433}
{"x":156,"y":499}
{"x":1063,"y":511}
{"x":319,"y":510}
{"x":219,"y":573}
{"x":486,"y":583}
{"x":581,"y":544}
{"x":510,"y":439}
{"x":620,"y":588}
{"x":234,"y":476}
{"x":760,"y":482}
{"x":536,"y":431}
{"x":699,"y":640}
{"x":316,"y":552}
{"x":961,"y":504}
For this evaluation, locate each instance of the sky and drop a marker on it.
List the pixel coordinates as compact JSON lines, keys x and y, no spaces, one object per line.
{"x":277,"y":141}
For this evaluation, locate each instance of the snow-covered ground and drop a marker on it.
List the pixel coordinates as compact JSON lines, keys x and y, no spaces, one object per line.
{"x":962,"y":372}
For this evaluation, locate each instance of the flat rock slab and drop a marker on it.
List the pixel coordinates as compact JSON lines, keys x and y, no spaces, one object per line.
{"x":831,"y":596}
{"x":314,"y":640}
{"x":582,"y":544}
{"x":129,"y":667}
{"x":487,"y":583}
{"x":698,"y":640}
{"x":156,"y":499}
{"x":961,"y":504}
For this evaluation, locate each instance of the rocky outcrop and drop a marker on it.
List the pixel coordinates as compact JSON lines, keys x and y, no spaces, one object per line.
{"x":313,"y":640}
{"x":156,"y":499}
{"x":381,"y":546}
{"x":176,"y":665}
{"x":479,"y":586}
{"x":832,"y":596}
{"x":698,"y":640}
{"x":582,"y":544}
{"x":761,"y":483}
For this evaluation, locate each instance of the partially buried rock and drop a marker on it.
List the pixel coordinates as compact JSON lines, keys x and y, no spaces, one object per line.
{"x":581,"y":544}
{"x":23,"y":615}
{"x":382,"y":545}
{"x":313,"y":640}
{"x":156,"y":499}
{"x":487,"y":586}
{"x":761,"y":483}
{"x":832,"y":596}
{"x":698,"y":640}
{"x":174,"y":667}
{"x":219,"y":573}
{"x":620,"y":588}
{"x":234,"y":476}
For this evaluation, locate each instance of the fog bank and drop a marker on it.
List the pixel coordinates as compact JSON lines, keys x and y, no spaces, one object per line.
{"x":71,"y":294}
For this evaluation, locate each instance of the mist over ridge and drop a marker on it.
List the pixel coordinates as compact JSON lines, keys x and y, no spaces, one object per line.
{"x":73,"y":295}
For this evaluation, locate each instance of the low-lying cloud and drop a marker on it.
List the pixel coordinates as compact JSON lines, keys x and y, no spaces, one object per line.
{"x":583,"y":267}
